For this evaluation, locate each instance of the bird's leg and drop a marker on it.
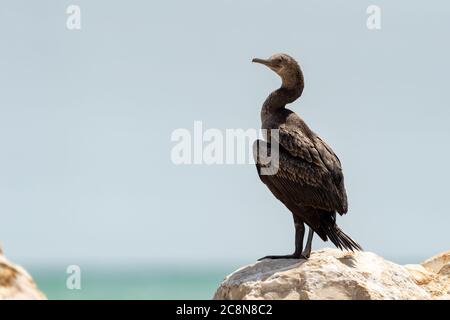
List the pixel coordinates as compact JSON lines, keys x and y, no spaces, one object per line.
{"x":307,"y":251}
{"x":299,"y":233}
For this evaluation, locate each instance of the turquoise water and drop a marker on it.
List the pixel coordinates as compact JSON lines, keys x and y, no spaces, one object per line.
{"x":137,"y":283}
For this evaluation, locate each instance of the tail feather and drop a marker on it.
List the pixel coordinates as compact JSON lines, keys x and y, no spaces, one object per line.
{"x":342,"y":240}
{"x":329,"y":230}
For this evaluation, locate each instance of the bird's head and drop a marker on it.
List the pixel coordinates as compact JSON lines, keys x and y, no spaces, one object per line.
{"x":285,"y":66}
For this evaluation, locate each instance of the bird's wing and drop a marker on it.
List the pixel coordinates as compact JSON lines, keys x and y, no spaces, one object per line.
{"x":309,"y":173}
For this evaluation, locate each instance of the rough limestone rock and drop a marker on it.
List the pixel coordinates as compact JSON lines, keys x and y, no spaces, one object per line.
{"x":338,"y":275}
{"x":16,"y":283}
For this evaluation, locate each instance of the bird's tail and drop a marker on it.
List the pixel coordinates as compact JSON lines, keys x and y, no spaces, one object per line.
{"x":335,"y":234}
{"x":342,"y":240}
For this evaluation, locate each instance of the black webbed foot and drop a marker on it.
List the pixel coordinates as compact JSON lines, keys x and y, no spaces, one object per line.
{"x":287,"y":256}
{"x":306,"y":254}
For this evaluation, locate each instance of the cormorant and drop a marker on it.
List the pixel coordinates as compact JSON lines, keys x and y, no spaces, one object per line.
{"x":308,"y":179}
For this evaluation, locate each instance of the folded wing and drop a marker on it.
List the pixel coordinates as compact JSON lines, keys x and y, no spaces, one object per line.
{"x":308,"y":173}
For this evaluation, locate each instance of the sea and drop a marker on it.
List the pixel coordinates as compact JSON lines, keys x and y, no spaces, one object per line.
{"x":130,"y":283}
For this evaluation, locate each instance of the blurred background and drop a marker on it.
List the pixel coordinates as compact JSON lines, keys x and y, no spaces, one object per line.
{"x":86,"y":118}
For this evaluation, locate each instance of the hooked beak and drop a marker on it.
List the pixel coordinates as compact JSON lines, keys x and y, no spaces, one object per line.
{"x":262,"y":61}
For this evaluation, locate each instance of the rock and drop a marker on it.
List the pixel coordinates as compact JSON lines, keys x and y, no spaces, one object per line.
{"x":16,"y":283}
{"x":334,"y":274}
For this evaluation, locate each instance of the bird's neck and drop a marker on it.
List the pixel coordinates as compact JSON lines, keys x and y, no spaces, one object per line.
{"x":290,"y":90}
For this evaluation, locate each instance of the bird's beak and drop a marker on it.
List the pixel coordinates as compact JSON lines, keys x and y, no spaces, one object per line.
{"x":262,"y":61}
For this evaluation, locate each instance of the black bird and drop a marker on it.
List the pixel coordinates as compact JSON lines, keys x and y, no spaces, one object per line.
{"x":308,"y":179}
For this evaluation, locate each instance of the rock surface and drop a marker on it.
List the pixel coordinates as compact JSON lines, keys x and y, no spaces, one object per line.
{"x":338,"y":275}
{"x":16,"y":283}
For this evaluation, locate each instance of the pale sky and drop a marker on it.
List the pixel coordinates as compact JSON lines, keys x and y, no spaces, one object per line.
{"x":86,"y":119}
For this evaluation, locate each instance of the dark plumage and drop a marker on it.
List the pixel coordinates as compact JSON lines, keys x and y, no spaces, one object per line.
{"x":309,"y":179}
